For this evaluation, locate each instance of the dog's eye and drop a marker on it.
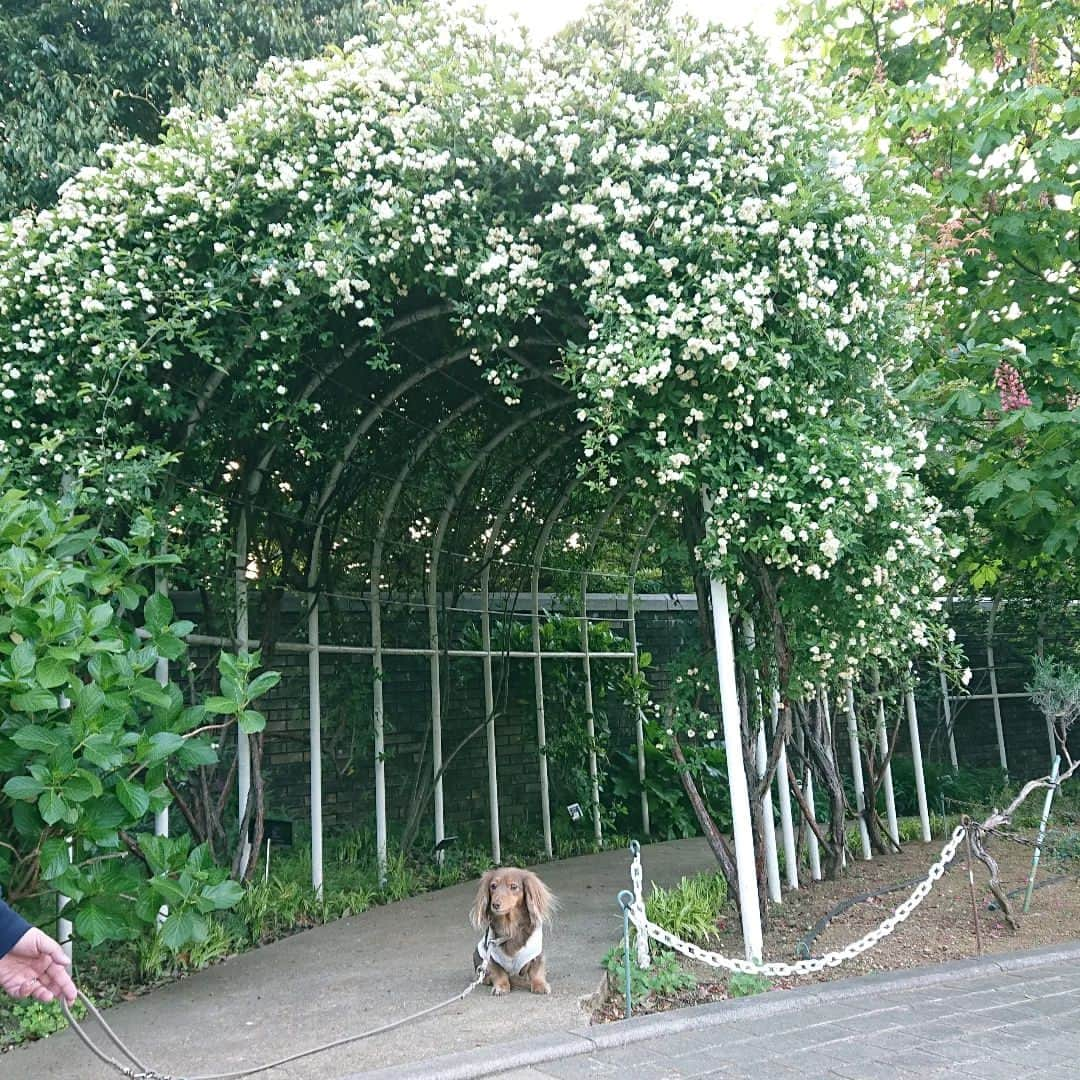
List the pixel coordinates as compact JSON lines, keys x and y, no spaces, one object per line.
{"x":514,"y":887}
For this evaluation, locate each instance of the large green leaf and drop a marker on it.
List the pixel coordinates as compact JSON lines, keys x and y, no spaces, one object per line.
{"x":133,"y":797}
{"x":184,"y":928}
{"x":23,"y":787}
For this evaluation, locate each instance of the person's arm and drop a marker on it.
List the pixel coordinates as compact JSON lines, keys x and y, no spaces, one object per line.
{"x":32,"y":965}
{"x":12,"y":927}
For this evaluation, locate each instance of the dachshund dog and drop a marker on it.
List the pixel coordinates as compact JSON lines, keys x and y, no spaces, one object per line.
{"x":511,"y":908}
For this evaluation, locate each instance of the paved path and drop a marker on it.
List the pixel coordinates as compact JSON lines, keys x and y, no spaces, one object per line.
{"x":361,"y":972}
{"x":1001,"y":1018}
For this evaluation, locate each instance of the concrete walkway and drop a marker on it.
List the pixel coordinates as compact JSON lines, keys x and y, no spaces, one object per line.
{"x":999,"y":1018}
{"x":361,"y":972}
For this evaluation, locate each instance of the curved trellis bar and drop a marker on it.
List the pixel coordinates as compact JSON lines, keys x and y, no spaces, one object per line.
{"x":432,"y":595}
{"x":495,"y":530}
{"x":590,"y":719}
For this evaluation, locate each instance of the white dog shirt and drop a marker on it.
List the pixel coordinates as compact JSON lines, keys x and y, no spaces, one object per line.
{"x":491,"y":950}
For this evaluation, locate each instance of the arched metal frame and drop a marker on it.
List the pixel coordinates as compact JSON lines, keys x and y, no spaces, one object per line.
{"x":635,"y":669}
{"x":437,"y":650}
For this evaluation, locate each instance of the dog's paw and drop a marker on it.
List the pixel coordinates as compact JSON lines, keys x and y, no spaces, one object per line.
{"x":540,"y":988}
{"x":498,"y":991}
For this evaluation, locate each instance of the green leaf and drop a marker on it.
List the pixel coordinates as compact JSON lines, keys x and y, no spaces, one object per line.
{"x":162,"y":745}
{"x":158,"y":613}
{"x":102,"y":750}
{"x":51,"y":673}
{"x":54,"y":858}
{"x":23,"y":787}
{"x":220,"y":705}
{"x":36,"y":737}
{"x":184,"y":928}
{"x":252,"y":722}
{"x":23,"y":660}
{"x":262,"y":683}
{"x":133,"y":797}
{"x":52,"y":808}
{"x":169,"y":891}
{"x":100,"y":617}
{"x":97,"y":921}
{"x":35,"y":701}
{"x":225,"y":894}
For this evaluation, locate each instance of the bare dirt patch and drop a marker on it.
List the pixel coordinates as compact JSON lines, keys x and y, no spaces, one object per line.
{"x":939,"y":930}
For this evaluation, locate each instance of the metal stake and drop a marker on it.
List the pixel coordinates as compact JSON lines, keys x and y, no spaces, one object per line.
{"x":1042,"y":831}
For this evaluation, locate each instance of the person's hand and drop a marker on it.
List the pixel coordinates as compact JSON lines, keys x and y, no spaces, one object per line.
{"x":36,"y":967}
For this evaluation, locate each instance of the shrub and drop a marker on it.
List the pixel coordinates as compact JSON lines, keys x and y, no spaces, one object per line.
{"x":89,"y":740}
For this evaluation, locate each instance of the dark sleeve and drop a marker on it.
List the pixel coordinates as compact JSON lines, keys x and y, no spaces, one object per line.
{"x":12,"y":927}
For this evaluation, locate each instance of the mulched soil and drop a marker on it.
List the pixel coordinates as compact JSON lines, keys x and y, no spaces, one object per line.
{"x":940,"y":929}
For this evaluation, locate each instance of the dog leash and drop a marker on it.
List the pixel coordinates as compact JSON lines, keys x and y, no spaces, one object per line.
{"x":138,"y":1071}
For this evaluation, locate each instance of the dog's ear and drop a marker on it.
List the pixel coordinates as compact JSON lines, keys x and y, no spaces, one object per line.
{"x":480,"y":916}
{"x":538,"y":899}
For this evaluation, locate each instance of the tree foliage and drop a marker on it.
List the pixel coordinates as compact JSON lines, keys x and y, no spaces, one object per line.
{"x":80,"y":73}
{"x":973,"y":108}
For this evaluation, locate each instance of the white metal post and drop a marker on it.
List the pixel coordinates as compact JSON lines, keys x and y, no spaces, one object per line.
{"x":946,"y":705}
{"x":741,"y":826}
{"x":489,"y":712}
{"x":243,"y":747}
{"x":768,"y":823}
{"x":315,"y":738}
{"x":787,"y":830}
{"x":1040,"y":646}
{"x":635,"y":668}
{"x":830,"y":752}
{"x":887,"y":782}
{"x":772,"y":865}
{"x":63,"y":926}
{"x":856,"y":771}
{"x":917,"y":763}
{"x":378,"y":720}
{"x":161,"y":674}
{"x":994,"y":698}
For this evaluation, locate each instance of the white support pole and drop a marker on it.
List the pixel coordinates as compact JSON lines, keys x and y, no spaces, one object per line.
{"x":435,"y":674}
{"x":315,"y":739}
{"x":489,"y":712}
{"x":856,"y":771}
{"x":243,"y":747}
{"x":378,"y":714}
{"x":768,"y":822}
{"x":161,"y":674}
{"x":787,"y":830}
{"x":63,"y":926}
{"x":813,"y":848}
{"x":830,"y":751}
{"x":741,"y":827}
{"x":1040,"y":648}
{"x":590,"y":718}
{"x":541,"y":725}
{"x":887,"y":781}
{"x":946,"y":705}
{"x":635,"y":669}
{"x":994,"y":697}
{"x":917,"y":763}
{"x":772,"y":864}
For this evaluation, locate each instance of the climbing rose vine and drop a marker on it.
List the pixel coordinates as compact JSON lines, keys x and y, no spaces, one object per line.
{"x":651,"y":194}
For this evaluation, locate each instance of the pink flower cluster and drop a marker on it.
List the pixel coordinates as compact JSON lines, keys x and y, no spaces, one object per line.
{"x":1013,"y":394}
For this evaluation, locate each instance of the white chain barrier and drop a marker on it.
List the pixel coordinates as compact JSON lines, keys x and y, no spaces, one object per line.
{"x":776,"y":969}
